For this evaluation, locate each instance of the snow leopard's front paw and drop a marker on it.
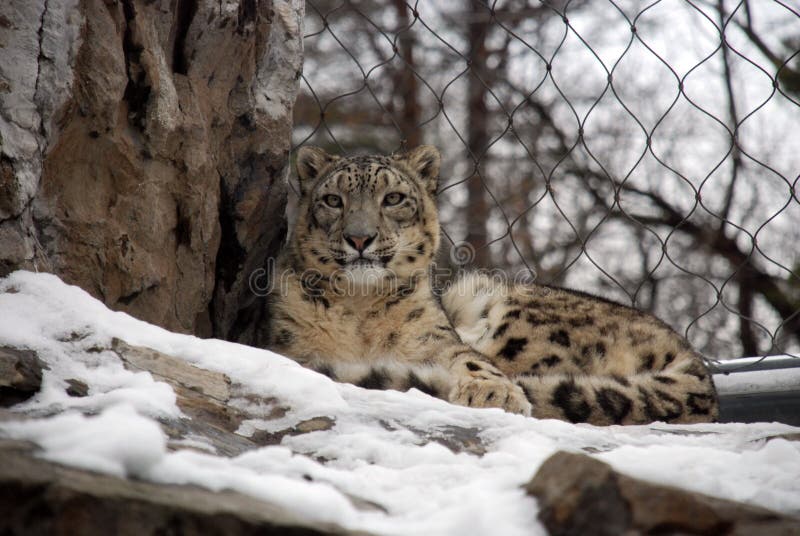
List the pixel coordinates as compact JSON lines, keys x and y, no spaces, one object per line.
{"x":483,"y":386}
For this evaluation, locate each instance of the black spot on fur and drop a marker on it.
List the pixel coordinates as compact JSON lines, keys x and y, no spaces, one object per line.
{"x":581,"y":321}
{"x":391,"y":339}
{"x":410,"y":258}
{"x":572,"y":401}
{"x":647,"y":362}
{"x":327,"y":370}
{"x":501,"y":329}
{"x":415,"y":313}
{"x":385,"y":259}
{"x":649,"y":408}
{"x":600,"y":349}
{"x":610,"y":327}
{"x":660,"y":406}
{"x":376,"y":379}
{"x":666,"y":380}
{"x":317,"y":300}
{"x":615,"y":404}
{"x":313,"y":294}
{"x":513,"y":347}
{"x":699,"y":403}
{"x":621,"y":380}
{"x":535,"y":320}
{"x":673,"y":408}
{"x":581,"y":360}
{"x":394,"y":301}
{"x":551,"y":360}
{"x":485,"y":313}
{"x":515,"y":313}
{"x":550,"y":318}
{"x":669,"y":357}
{"x":560,"y":337}
{"x":284,"y":337}
{"x":421,"y":248}
{"x":414,"y":381}
{"x":471,"y":365}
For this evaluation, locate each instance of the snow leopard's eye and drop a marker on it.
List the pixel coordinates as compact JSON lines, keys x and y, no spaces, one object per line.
{"x":392,"y":199}
{"x":333,"y":201}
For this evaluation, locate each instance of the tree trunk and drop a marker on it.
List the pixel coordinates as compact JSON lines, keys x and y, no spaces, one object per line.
{"x":477,"y":137}
{"x":406,"y":80}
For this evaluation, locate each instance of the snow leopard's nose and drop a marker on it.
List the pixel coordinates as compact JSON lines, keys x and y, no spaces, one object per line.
{"x":359,"y":243}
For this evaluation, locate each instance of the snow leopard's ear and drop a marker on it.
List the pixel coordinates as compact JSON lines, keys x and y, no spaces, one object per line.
{"x":311,"y":164}
{"x":424,"y":161}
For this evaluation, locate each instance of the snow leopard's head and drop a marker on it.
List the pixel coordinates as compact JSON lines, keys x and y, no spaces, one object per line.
{"x":367,"y":216}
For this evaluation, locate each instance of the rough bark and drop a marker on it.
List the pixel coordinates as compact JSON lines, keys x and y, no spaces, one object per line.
{"x":143,"y":149}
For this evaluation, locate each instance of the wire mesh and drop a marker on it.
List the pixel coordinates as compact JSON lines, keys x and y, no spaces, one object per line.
{"x":647,"y":152}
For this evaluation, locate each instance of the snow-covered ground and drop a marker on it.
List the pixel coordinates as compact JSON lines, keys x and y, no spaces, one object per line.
{"x":371,"y":453}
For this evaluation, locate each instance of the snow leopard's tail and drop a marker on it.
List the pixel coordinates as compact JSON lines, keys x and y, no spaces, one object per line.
{"x":579,"y":357}
{"x":683,"y":394}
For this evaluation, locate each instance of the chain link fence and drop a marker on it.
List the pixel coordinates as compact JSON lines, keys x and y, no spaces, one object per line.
{"x":643,"y":151}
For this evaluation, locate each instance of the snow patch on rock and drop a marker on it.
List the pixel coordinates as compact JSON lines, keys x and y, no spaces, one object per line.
{"x":372,"y":454}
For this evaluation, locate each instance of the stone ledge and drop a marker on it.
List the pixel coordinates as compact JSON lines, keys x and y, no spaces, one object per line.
{"x":578,"y":494}
{"x":40,"y":497}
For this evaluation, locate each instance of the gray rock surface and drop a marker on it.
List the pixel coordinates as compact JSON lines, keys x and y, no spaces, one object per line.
{"x":214,"y":408}
{"x":40,"y":497}
{"x":20,"y":375}
{"x":579,"y":494}
{"x":143,"y":150}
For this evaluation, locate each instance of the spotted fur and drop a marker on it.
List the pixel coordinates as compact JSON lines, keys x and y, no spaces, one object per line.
{"x":581,"y":358}
{"x":356,"y":304}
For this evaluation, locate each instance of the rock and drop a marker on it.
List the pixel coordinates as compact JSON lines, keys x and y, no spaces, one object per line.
{"x":20,"y":375}
{"x":39,"y":497}
{"x":143,"y":150}
{"x":262,"y":437}
{"x":180,"y":374}
{"x":202,"y":395}
{"x":578,"y":494}
{"x":77,"y":388}
{"x":215,"y":409}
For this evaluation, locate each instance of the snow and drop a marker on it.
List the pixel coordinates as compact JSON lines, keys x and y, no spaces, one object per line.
{"x":118,"y":442}
{"x":376,"y":451}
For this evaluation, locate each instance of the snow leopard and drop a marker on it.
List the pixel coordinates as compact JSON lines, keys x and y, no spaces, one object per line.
{"x":357,"y":302}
